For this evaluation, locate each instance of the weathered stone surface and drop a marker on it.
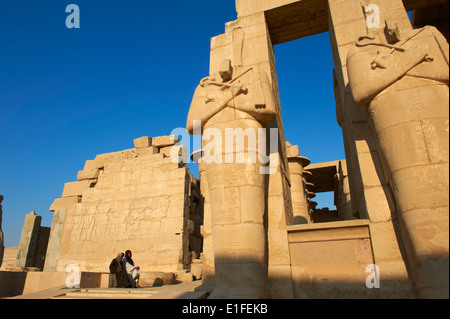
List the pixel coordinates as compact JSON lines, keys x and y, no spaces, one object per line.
{"x":407,"y":101}
{"x":29,"y":240}
{"x":151,"y":150}
{"x":235,"y":221}
{"x":144,"y":141}
{"x":54,"y":242}
{"x":299,"y":194}
{"x":67,"y":202}
{"x":141,"y":201}
{"x":163,"y":141}
{"x":395,"y":175}
{"x":88,"y":174}
{"x":76,"y":188}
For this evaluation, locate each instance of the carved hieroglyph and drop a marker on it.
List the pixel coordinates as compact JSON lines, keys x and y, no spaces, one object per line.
{"x":136,"y":199}
{"x":401,"y":77}
{"x":235,"y":98}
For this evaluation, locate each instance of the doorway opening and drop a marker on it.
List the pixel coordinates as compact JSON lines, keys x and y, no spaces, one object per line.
{"x":305,"y":81}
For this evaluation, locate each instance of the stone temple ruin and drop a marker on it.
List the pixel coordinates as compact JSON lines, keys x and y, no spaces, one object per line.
{"x":253,"y":235}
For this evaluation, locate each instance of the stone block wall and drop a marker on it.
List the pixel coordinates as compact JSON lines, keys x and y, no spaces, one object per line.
{"x":136,"y":199}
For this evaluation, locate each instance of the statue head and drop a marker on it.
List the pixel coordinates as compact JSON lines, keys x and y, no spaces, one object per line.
{"x":225,"y":70}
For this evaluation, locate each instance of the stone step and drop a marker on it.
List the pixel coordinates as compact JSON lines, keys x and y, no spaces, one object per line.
{"x":186,"y":290}
{"x":107,"y":294}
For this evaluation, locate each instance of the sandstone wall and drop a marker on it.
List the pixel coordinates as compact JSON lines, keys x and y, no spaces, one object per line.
{"x":136,"y":199}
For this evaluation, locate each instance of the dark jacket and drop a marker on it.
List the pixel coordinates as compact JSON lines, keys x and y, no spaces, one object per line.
{"x":121,"y":276}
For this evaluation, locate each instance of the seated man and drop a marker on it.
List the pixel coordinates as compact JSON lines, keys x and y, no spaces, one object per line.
{"x":131,"y":269}
{"x":117,"y":268}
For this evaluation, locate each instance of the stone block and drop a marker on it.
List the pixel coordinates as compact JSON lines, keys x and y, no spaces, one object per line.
{"x":12,"y":283}
{"x":255,"y":50}
{"x":184,"y":276}
{"x":280,"y":282}
{"x":88,"y":174}
{"x":144,"y":141}
{"x":66,"y":202}
{"x":54,"y":242}
{"x":376,"y":203}
{"x":196,"y":269}
{"x":171,"y":225}
{"x":26,"y":252}
{"x":162,"y":141}
{"x":145,"y":151}
{"x":292,"y":151}
{"x":165,"y":150}
{"x":157,"y":278}
{"x":76,"y":188}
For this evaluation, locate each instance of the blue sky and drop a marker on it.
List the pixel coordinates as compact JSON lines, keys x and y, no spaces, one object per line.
{"x":67,"y":95}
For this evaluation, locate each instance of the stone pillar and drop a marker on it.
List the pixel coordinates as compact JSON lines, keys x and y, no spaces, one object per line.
{"x":309,"y":194}
{"x":208,"y":267}
{"x":246,"y":43}
{"x":401,"y":77}
{"x":26,"y":252}
{"x":2,"y":247}
{"x":407,"y":101}
{"x":54,"y":242}
{"x":371,"y":196}
{"x":237,"y":219}
{"x":344,"y":204}
{"x":299,"y":200}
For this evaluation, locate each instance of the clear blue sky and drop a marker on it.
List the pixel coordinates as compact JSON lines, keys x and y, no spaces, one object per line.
{"x":67,"y":95}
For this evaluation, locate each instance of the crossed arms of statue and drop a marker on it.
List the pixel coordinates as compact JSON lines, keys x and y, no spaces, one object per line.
{"x":203,"y":107}
{"x":248,"y":90}
{"x":371,"y":74}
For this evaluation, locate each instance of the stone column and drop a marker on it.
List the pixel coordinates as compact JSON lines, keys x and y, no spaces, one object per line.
{"x":208,"y":251}
{"x":369,"y":190}
{"x":26,"y":252}
{"x":246,"y":43}
{"x":402,"y":80}
{"x":299,"y":200}
{"x":371,"y":196}
{"x":54,"y":242}
{"x":344,"y":205}
{"x":237,"y":218}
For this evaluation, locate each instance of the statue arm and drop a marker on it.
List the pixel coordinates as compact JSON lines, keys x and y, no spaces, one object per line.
{"x":365,"y":82}
{"x":441,"y":41}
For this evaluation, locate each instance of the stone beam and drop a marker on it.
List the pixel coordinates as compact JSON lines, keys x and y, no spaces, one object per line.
{"x":420,"y":4}
{"x":288,"y":20}
{"x":249,"y":7}
{"x":297,"y":20}
{"x":323,"y":176}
